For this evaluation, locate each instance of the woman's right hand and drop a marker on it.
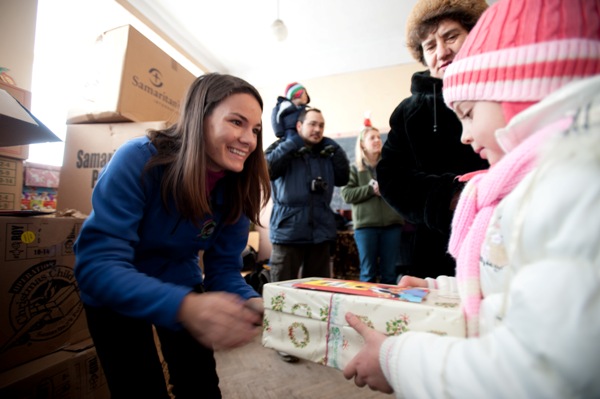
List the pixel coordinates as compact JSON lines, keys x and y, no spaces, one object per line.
{"x":373,"y":183}
{"x":410,"y":281}
{"x":219,"y":320}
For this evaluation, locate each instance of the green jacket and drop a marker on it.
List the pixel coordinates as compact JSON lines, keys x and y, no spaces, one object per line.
{"x":368,"y":209}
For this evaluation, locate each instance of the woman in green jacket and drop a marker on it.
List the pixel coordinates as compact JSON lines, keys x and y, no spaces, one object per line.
{"x":377,"y":226}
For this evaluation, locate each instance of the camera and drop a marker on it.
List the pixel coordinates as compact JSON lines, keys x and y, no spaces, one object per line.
{"x":318,"y":185}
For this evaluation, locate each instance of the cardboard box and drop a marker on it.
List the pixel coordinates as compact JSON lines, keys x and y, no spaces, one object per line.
{"x":41,"y":308}
{"x":131,"y":79}
{"x":311,"y":324}
{"x":74,"y":372}
{"x":39,"y":175}
{"x":40,"y":189}
{"x":11,"y":184}
{"x":163,"y":362}
{"x":39,"y":198}
{"x":24,"y":98}
{"x":88,"y":148}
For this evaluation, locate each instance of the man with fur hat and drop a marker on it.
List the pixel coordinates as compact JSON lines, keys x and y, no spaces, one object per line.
{"x":423,"y":154}
{"x":288,"y":108}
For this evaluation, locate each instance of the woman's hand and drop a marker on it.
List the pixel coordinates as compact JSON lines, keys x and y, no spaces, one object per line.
{"x":220,"y":320}
{"x":365,"y":367}
{"x":257,"y":306}
{"x":373,"y":183}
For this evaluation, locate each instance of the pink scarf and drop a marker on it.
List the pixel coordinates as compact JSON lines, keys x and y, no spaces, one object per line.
{"x":474,"y":211}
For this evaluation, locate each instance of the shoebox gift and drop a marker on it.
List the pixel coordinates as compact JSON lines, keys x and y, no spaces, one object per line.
{"x":306,"y":317}
{"x":40,"y":187}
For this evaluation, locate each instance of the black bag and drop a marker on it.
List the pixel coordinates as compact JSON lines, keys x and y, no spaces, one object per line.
{"x":249,"y":256}
{"x":259,"y":276}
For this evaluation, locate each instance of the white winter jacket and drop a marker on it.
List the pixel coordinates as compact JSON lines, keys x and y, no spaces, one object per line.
{"x":540,"y":316}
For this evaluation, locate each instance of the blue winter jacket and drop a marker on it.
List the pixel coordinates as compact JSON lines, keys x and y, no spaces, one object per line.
{"x":134,"y":256}
{"x":300,"y":215}
{"x":284,"y":117}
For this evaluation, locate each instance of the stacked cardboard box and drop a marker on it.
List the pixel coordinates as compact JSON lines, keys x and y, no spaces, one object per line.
{"x":11,"y":157}
{"x":130,"y":79}
{"x":40,"y":187}
{"x":41,"y":312}
{"x":72,"y":372}
{"x":11,"y":183}
{"x":88,"y":148}
{"x":133,"y":86}
{"x":41,"y":309}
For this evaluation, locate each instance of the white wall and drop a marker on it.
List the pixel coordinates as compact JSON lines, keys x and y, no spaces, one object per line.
{"x":17,"y":30}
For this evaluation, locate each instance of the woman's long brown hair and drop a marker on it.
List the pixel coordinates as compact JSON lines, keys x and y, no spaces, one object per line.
{"x":182,"y":153}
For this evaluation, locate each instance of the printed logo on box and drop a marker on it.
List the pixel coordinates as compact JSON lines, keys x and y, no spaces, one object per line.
{"x":155,"y":79}
{"x":45,"y":303}
{"x":93,"y":160}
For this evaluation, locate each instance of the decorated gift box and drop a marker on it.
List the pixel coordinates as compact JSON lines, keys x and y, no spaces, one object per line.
{"x":306,"y":317}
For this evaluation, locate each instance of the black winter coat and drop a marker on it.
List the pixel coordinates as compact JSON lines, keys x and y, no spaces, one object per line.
{"x":421,"y":159}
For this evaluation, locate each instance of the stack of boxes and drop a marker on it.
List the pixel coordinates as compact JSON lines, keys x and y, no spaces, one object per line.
{"x":42,"y":316}
{"x":133,"y":86}
{"x":12,"y":158}
{"x":45,"y":347}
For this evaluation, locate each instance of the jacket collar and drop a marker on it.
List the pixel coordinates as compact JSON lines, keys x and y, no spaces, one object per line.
{"x":559,"y":105}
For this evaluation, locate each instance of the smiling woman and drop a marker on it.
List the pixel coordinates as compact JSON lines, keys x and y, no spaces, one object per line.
{"x":194,"y":186}
{"x":232,"y":131}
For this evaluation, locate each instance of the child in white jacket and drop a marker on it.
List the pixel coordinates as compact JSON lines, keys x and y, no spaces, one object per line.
{"x":526,"y":233}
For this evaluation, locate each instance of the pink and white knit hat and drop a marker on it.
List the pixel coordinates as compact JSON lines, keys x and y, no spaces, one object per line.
{"x":522,"y":50}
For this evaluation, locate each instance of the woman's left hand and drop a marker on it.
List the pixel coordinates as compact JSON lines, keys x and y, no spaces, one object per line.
{"x":365,"y":367}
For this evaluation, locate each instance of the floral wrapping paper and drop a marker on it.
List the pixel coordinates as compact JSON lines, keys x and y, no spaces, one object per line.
{"x":310,"y":324}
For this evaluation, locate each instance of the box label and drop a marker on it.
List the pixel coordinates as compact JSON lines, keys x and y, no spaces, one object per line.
{"x":23,"y":242}
{"x":8,"y":173}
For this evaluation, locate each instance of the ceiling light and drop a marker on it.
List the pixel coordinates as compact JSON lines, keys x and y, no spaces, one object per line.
{"x":279,"y":30}
{"x":278,"y":27}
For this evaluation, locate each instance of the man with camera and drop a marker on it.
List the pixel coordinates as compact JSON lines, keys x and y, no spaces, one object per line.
{"x":304,"y":169}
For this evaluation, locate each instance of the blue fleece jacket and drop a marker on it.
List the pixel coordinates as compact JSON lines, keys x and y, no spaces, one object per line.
{"x":140,"y":259}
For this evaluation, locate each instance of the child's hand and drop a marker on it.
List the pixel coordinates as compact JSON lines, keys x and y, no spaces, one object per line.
{"x":365,"y":368}
{"x":410,"y":281}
